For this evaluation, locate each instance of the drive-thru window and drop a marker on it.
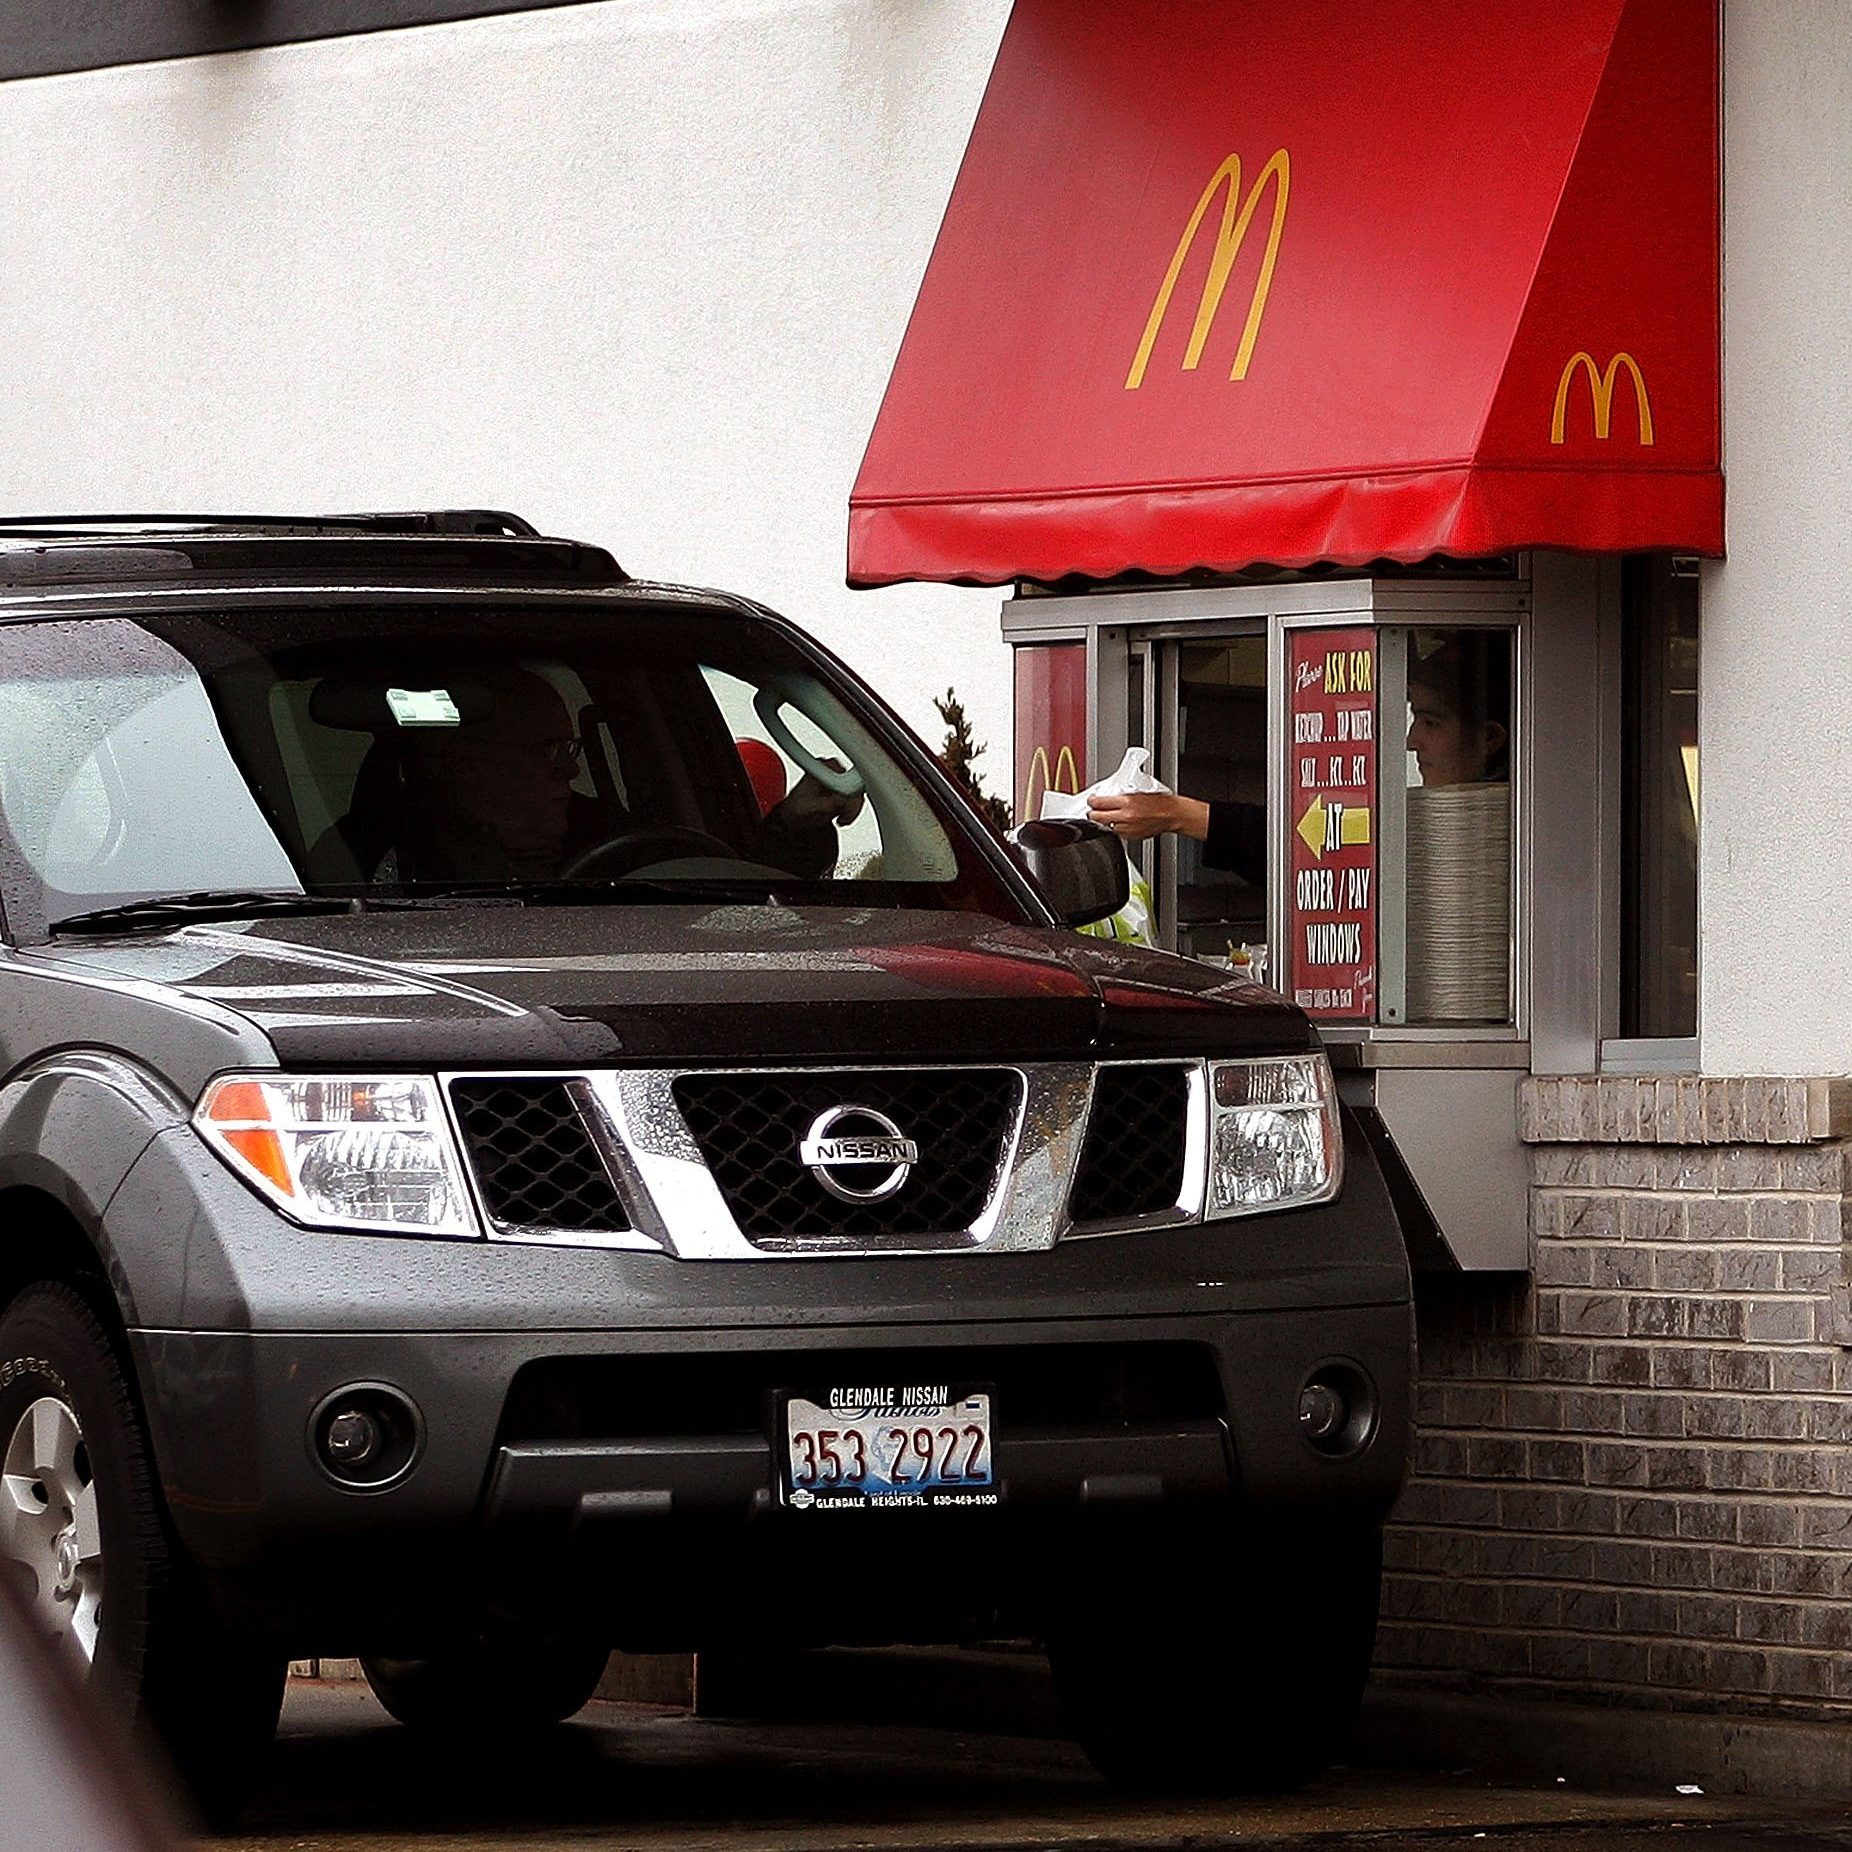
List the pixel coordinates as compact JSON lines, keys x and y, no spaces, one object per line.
{"x":1335,"y":392}
{"x":1382,"y":890}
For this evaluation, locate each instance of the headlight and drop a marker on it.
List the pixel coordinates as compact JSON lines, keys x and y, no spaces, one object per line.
{"x":1274,"y":1140}
{"x":349,"y":1152}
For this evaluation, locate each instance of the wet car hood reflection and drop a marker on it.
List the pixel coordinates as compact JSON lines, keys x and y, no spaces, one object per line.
{"x":670,"y":984}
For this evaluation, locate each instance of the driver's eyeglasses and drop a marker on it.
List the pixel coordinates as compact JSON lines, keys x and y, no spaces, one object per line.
{"x":557,"y":755}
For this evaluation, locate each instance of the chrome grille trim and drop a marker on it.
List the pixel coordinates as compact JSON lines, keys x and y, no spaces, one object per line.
{"x":689,"y":1214}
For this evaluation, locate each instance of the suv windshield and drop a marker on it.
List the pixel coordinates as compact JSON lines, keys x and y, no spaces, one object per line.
{"x":556,"y":752}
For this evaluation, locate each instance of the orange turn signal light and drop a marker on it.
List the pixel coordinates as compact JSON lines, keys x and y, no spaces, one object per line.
{"x":239,"y":1113}
{"x":262,"y":1149}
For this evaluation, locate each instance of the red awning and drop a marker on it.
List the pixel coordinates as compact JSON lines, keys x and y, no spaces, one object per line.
{"x":1226,"y":281}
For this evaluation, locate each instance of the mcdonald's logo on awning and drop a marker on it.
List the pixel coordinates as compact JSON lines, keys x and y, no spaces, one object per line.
{"x":1237,"y":216}
{"x":1038,"y":769}
{"x":1601,"y":394}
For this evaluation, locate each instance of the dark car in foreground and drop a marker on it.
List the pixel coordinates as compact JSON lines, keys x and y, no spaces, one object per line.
{"x":536,"y":1119}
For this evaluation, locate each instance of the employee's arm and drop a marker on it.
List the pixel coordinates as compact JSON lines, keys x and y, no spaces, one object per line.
{"x":1233,"y":835}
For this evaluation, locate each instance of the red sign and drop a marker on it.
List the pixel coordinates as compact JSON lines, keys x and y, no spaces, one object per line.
{"x":1051,"y":723}
{"x":1331,"y":814}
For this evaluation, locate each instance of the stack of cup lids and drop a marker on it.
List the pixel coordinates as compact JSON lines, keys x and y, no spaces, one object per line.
{"x":1459,"y":903}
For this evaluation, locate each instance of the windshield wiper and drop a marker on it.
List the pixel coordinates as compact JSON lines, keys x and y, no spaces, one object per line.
{"x":626,"y":890}
{"x":208,"y":904}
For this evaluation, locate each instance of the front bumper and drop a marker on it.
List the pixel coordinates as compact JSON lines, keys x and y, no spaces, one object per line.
{"x":663,"y":1519}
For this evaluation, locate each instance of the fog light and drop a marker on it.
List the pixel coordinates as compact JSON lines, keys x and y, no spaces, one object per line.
{"x":366,"y":1437}
{"x":1337,"y":1409}
{"x":354,"y":1437}
{"x":1322,"y":1412}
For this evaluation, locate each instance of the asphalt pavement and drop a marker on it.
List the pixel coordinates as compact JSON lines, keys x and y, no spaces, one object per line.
{"x":344,"y":1776}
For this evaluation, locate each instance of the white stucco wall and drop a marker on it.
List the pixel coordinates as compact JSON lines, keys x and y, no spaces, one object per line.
{"x":634,"y":269}
{"x":1775,"y":730}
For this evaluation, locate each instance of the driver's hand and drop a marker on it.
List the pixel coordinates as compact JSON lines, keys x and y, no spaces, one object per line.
{"x":811,"y":800}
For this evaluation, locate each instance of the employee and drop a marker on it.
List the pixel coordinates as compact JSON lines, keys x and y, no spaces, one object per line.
{"x":1459,"y":696}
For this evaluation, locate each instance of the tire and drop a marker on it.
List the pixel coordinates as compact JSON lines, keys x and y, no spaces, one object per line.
{"x":84,"y":1532}
{"x":1241,"y":1673}
{"x":492,"y":1685}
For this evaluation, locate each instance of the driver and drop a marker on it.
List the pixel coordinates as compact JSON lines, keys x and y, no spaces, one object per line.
{"x":492,"y":800}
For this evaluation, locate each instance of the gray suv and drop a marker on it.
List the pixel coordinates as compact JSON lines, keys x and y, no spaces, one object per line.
{"x":537,"y":1119}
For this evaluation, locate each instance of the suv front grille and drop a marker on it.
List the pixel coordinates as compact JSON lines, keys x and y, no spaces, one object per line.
{"x":1132,"y":1161}
{"x":749,"y":1127}
{"x":536,"y":1161}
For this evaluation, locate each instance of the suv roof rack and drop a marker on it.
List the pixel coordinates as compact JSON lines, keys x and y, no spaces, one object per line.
{"x":487,"y":521}
{"x":481,"y":544}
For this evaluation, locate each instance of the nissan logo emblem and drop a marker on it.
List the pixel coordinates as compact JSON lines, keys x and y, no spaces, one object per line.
{"x":873,"y":1152}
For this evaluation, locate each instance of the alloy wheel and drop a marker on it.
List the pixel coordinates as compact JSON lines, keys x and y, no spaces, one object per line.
{"x":49,"y":1526}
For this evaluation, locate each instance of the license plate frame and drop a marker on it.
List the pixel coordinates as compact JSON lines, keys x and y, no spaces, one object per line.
{"x":878,"y":1428}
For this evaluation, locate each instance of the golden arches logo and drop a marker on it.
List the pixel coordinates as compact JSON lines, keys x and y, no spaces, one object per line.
{"x":1601,"y":394}
{"x":1237,"y":216}
{"x":1038,"y":767}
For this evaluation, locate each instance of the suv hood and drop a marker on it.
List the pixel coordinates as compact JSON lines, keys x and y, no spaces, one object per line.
{"x":674,"y":985}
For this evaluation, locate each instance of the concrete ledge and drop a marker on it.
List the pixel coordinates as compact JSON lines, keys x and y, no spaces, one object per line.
{"x":649,"y":1678}
{"x":1683,"y":1109}
{"x":1601,"y":1747}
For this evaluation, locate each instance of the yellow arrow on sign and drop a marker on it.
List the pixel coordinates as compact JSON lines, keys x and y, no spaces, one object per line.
{"x":1314,"y":826}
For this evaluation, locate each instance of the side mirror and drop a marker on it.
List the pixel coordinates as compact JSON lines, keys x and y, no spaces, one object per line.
{"x":1079,"y":867}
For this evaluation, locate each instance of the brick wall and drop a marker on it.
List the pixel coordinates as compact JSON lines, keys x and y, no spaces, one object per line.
{"x":1633,"y":1472}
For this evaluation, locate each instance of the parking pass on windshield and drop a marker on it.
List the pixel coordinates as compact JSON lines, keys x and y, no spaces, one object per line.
{"x":423,"y":707}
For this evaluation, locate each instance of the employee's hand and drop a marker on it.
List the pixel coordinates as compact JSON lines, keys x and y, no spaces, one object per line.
{"x":1140,"y":814}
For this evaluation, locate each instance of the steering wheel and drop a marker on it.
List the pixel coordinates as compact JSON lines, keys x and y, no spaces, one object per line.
{"x":640,"y":846}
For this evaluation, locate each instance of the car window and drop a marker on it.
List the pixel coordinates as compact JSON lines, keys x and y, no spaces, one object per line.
{"x":349,"y":750}
{"x":109,"y":782}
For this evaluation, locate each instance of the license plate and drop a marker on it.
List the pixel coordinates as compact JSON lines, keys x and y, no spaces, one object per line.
{"x":898,"y":1445}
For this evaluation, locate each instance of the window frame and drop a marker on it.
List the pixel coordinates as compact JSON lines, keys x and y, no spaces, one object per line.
{"x":1622,"y":1049}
